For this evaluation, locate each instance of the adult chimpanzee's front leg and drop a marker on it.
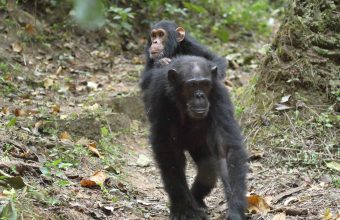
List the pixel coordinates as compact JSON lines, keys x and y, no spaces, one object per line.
{"x":233,"y":174}
{"x":171,"y":161}
{"x":206,"y":175}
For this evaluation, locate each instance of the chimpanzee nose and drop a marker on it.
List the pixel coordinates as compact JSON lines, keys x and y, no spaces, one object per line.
{"x":199,"y":94}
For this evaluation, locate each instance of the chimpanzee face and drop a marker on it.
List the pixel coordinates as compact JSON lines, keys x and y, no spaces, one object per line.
{"x":158,"y":41}
{"x":164,"y":40}
{"x":194,"y":85}
{"x":196,"y":92}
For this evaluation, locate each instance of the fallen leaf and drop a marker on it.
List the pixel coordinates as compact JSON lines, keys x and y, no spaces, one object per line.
{"x":333,"y":165}
{"x":256,"y":204}
{"x":15,"y":182}
{"x":48,"y":83}
{"x":92,"y":85}
{"x":32,"y":112}
{"x":143,"y":161}
{"x":65,"y":136}
{"x":5,"y":110}
{"x":60,"y":68}
{"x":83,"y":141}
{"x":97,"y":178}
{"x":280,"y":216}
{"x":16,"y":47}
{"x":19,"y":112}
{"x":55,"y":109}
{"x":281,"y":107}
{"x":94,"y":150}
{"x":328,"y":215}
{"x":93,"y":107}
{"x":30,"y":29}
{"x":256,"y":154}
{"x":3,"y":196}
{"x":285,"y":99}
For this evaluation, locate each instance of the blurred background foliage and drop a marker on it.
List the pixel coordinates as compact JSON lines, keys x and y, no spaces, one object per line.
{"x":204,"y":19}
{"x":219,"y":19}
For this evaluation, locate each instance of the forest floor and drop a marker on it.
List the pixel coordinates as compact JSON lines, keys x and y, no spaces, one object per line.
{"x":73,"y":136}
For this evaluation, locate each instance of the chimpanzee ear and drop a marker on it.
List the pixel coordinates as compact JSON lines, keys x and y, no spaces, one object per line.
{"x":214,"y":71}
{"x":172,"y":76}
{"x":180,"y":34}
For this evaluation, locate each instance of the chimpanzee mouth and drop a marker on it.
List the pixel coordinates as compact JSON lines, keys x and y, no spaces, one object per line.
{"x":198,"y":113}
{"x":156,"y":51}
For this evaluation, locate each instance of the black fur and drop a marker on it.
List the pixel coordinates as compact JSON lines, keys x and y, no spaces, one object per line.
{"x":188,"y":46}
{"x":215,"y":143}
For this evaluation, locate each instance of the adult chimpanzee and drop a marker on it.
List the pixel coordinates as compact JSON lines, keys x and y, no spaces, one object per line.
{"x":189,"y":110}
{"x":166,"y":41}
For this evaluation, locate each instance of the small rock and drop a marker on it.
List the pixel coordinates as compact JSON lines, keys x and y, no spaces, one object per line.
{"x":143,"y":161}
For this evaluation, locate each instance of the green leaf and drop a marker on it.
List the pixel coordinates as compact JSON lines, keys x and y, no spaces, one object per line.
{"x":89,"y":13}
{"x":193,"y":7}
{"x":15,"y":182}
{"x":63,"y":183}
{"x":222,"y":34}
{"x":333,"y":165}
{"x":11,"y":122}
{"x":8,"y":211}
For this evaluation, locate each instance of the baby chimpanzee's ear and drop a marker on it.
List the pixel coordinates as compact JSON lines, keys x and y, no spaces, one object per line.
{"x":180,"y":34}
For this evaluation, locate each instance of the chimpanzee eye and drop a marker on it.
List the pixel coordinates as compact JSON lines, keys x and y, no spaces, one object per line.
{"x":205,"y":84}
{"x":161,"y":34}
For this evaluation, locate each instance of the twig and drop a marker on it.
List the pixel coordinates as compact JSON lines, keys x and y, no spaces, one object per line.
{"x":18,"y":164}
{"x":297,"y":134}
{"x":287,"y":193}
{"x":292,"y":211}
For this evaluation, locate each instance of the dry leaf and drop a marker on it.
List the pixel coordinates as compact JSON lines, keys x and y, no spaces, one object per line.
{"x":91,"y":145}
{"x":55,"y":109}
{"x":83,"y":141}
{"x":280,"y":216}
{"x":60,"y":68}
{"x":256,"y":154}
{"x":95,"y":151}
{"x":282,"y":107}
{"x":5,"y":110}
{"x":3,"y":196}
{"x":328,"y":215}
{"x":97,"y":178}
{"x":93,"y":107}
{"x":37,"y":125}
{"x":48,"y":83}
{"x":25,"y":154}
{"x":32,"y":112}
{"x":256,"y":204}
{"x":333,"y":165}
{"x":19,"y":112}
{"x":92,"y":85}
{"x":30,"y":29}
{"x":65,"y":136}
{"x":285,"y":99}
{"x":16,"y":47}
